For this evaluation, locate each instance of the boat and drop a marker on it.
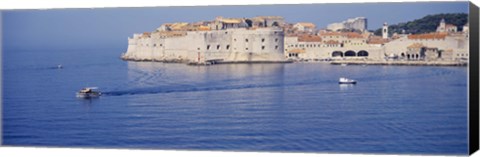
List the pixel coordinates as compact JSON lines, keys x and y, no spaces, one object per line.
{"x":344,"y":80}
{"x":343,"y":64}
{"x":89,"y":92}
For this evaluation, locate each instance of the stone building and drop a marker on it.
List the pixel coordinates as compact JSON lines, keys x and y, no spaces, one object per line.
{"x":444,"y":27}
{"x":358,"y":23}
{"x":305,"y":27}
{"x":221,"y":40}
{"x":456,"y":43}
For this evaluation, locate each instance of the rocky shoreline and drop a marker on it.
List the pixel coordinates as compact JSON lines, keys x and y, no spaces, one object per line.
{"x":335,"y":62}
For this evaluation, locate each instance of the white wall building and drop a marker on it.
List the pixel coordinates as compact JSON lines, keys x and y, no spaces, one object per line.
{"x":358,"y":23}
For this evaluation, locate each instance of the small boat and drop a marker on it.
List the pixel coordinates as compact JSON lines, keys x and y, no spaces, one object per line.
{"x":89,"y":92}
{"x":59,"y":66}
{"x":343,"y":64}
{"x":344,"y":80}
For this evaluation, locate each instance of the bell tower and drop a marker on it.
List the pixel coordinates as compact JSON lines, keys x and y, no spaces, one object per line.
{"x":385,"y":31}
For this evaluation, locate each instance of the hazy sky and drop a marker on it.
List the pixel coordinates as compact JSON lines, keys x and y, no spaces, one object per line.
{"x":83,"y":29}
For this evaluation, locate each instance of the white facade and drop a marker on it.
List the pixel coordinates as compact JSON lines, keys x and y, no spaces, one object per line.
{"x":456,"y":44}
{"x":358,"y":23}
{"x":230,"y":45}
{"x":385,"y":31}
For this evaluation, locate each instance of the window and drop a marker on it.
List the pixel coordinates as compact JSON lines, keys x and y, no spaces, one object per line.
{"x":154,"y":45}
{"x":208,"y":47}
{"x":226,"y":32}
{"x":263,"y":40}
{"x":160,"y":45}
{"x":198,"y":48}
{"x":228,"y":47}
{"x":276,"y":47}
{"x":263,"y":47}
{"x":218,"y":47}
{"x":235,"y":39}
{"x":276,"y":39}
{"x":246,"y":48}
{"x":246,"y":40}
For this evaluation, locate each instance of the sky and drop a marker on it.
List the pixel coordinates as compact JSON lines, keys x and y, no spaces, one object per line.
{"x":109,"y":28}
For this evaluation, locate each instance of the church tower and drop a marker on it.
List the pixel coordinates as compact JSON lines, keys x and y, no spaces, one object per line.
{"x":385,"y":31}
{"x":442,"y":26}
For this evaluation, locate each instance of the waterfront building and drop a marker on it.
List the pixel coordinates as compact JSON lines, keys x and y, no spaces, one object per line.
{"x":259,"y":39}
{"x":271,"y":39}
{"x":452,"y":46}
{"x":331,"y":46}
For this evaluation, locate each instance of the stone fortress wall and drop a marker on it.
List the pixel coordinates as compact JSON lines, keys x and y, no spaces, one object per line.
{"x":231,"y":41}
{"x":271,"y":39}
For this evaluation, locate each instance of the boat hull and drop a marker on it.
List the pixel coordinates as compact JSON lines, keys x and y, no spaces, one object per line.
{"x":347,"y":82}
{"x":88,"y":95}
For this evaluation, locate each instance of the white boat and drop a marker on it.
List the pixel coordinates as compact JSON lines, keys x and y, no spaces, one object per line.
{"x":344,"y":80}
{"x":89,"y":92}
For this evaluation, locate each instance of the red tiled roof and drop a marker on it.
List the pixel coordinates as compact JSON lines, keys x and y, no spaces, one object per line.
{"x":332,"y":42}
{"x":309,"y":38}
{"x":428,"y":36}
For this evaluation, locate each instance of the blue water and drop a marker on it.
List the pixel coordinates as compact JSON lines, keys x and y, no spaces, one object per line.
{"x":295,"y":107}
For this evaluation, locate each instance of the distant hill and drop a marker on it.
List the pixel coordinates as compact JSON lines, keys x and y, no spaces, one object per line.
{"x":427,"y":24}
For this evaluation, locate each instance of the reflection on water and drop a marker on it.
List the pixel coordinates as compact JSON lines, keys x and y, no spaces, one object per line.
{"x":345,"y":87}
{"x":253,"y":107}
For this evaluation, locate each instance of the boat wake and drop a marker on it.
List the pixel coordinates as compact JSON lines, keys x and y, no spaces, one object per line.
{"x":194,"y":88}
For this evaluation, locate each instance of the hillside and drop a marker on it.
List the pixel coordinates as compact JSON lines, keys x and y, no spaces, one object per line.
{"x":427,"y":24}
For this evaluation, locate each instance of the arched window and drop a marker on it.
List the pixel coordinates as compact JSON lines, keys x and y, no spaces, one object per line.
{"x":350,"y":53}
{"x":362,"y":53}
{"x":337,"y":54}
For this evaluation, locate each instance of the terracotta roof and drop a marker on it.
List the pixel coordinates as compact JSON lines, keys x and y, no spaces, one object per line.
{"x":309,"y":38}
{"x":376,"y":40}
{"x":146,"y":34}
{"x":203,"y":28}
{"x":296,"y":51}
{"x":353,"y":35}
{"x":428,"y":36}
{"x":332,"y":42}
{"x":306,"y":24}
{"x":178,"y":26}
{"x":415,"y":45}
{"x":330,"y":34}
{"x":231,"y":20}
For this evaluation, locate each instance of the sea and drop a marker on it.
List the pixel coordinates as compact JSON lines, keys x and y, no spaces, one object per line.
{"x":295,"y":107}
